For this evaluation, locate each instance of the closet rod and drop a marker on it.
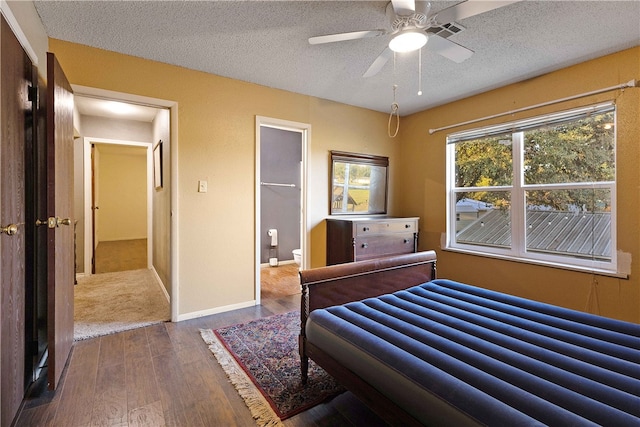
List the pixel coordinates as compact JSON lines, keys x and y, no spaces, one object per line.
{"x":274,"y":184}
{"x":630,"y":83}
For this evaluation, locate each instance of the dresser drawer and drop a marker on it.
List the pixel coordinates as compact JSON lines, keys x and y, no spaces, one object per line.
{"x":364,"y":228}
{"x":376,"y":246}
{"x":360,"y":238}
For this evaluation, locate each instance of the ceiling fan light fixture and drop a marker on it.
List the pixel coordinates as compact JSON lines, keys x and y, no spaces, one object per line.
{"x":408,"y":41}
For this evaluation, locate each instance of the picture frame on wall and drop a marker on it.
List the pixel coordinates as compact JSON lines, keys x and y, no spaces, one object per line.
{"x":157,"y":165}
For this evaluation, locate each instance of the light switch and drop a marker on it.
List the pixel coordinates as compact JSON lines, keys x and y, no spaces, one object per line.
{"x":202,"y":186}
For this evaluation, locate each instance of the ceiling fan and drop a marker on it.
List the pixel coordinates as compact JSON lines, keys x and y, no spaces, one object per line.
{"x":411,"y":28}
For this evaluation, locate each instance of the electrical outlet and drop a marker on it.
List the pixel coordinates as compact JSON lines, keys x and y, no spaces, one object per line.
{"x":202,"y":186}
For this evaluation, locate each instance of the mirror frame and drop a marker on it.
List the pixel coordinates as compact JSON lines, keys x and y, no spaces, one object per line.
{"x":361,"y":160}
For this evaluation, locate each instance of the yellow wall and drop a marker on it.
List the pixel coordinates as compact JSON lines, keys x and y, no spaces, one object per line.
{"x":216,"y":120}
{"x":421,"y":188}
{"x":122,"y":182}
{"x":161,"y":203}
{"x":216,"y":142}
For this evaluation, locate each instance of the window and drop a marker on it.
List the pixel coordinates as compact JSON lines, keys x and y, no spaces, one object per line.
{"x":541,"y":190}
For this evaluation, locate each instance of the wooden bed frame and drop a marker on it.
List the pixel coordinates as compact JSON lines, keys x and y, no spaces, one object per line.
{"x":449,"y":353}
{"x":342,"y":283}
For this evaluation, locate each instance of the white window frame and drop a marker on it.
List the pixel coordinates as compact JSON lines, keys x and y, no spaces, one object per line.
{"x":518,"y":191}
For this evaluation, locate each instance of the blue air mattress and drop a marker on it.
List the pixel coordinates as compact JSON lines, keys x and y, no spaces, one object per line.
{"x":451,"y":354}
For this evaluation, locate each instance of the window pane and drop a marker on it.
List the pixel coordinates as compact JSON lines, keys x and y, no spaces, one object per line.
{"x":484,"y":162}
{"x":359,"y":183}
{"x":575,"y":223}
{"x":578,"y":151}
{"x":484,"y":218}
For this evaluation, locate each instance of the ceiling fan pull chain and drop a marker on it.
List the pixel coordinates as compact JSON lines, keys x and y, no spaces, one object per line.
{"x":419,"y":72}
{"x":394,"y":112}
{"x":394,"y":105}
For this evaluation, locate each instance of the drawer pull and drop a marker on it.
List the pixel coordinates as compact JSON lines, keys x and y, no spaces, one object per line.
{"x":365,"y":228}
{"x":406,"y":241}
{"x":407,"y":226}
{"x":365,"y":245}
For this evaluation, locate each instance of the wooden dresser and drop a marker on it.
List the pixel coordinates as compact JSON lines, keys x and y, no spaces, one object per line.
{"x":360,"y":238}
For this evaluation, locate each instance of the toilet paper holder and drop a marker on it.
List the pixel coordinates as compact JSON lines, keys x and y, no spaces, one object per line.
{"x":273,"y":247}
{"x":273,"y":233}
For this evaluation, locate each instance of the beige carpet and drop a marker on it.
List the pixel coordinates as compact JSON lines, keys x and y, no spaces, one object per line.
{"x":113,"y":302}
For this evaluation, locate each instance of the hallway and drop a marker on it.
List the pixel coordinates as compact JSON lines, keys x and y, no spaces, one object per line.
{"x":118,"y":301}
{"x":123,"y":294}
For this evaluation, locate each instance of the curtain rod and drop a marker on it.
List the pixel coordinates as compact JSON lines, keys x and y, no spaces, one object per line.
{"x":630,"y":83}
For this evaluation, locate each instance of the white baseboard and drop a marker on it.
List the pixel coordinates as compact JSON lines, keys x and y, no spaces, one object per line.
{"x":159,"y":280}
{"x":216,"y":310}
{"x":202,"y":313}
{"x":266,"y":264}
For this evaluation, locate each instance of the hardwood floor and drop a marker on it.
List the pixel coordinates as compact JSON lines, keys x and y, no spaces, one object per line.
{"x":164,"y":375}
{"x":276,"y":282}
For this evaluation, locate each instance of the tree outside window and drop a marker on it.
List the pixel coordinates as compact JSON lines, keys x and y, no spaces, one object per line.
{"x":542,"y":188}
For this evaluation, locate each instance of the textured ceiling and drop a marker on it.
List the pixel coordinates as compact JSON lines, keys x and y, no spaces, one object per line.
{"x":265,"y":42}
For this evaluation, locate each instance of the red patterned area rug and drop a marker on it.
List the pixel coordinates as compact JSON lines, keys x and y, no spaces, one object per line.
{"x":262,"y":362}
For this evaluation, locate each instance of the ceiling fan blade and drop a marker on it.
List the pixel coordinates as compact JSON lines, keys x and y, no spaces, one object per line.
{"x":379,"y":63}
{"x":404,"y":7}
{"x":330,"y":38}
{"x":469,"y":8}
{"x":448,"y":49}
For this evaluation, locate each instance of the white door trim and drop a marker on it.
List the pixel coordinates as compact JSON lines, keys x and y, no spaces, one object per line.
{"x":175,"y":213}
{"x":88,"y":218}
{"x":305,"y":130}
{"x":17,"y":30}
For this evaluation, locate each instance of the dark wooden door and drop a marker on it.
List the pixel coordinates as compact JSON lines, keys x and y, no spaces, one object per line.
{"x":15,"y":111}
{"x":37,"y":237}
{"x":60,"y":265}
{"x":36,"y":240}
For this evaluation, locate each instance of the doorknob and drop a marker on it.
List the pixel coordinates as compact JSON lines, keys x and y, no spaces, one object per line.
{"x":40,"y":222}
{"x":9,"y":230}
{"x":65,"y":221}
{"x":53,"y":222}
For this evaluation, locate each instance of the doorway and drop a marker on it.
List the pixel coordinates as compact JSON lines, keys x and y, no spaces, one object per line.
{"x":117,"y":124}
{"x":120,"y":204}
{"x":117,"y":129}
{"x":281,"y":153}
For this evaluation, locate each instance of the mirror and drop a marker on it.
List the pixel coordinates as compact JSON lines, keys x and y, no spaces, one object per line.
{"x":358,"y":183}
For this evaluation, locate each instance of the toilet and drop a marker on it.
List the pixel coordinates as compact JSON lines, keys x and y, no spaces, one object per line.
{"x":297,"y":256}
